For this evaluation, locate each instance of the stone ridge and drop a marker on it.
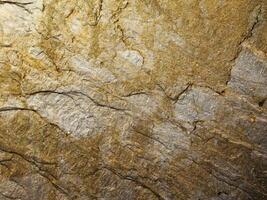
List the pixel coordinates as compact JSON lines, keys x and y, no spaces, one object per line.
{"x":133,"y":100}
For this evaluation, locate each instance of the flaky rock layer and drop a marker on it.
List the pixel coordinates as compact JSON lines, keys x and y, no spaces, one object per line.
{"x":133,"y":99}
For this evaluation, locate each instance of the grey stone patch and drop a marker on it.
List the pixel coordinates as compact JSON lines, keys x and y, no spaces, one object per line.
{"x":88,"y":67}
{"x":134,"y":57}
{"x":238,"y":121}
{"x":170,"y":37}
{"x":256,"y":130}
{"x":197,"y":104}
{"x":144,"y":103}
{"x":241,"y":117}
{"x":173,"y":137}
{"x":17,"y":20}
{"x":249,"y":75}
{"x":78,"y":113}
{"x":65,"y":112}
{"x":37,"y":52}
{"x":76,"y":26}
{"x":128,"y":63}
{"x":176,"y":89}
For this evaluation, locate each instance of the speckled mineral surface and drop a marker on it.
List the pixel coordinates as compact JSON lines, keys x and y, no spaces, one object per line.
{"x":133,"y":99}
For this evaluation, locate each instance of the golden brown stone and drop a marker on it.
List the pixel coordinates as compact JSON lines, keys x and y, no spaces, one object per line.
{"x":133,"y":99}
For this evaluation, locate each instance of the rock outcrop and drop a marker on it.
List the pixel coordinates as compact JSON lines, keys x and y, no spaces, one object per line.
{"x":133,"y":99}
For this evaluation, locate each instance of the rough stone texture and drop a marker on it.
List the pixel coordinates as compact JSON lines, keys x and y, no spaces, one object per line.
{"x":133,"y":99}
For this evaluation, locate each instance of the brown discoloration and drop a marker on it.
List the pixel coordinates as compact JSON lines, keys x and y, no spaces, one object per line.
{"x":133,"y":100}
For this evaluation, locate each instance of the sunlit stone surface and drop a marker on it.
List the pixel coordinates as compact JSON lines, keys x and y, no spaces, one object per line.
{"x":133,"y":99}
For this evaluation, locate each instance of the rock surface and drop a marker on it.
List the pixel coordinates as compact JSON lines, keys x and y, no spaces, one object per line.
{"x":133,"y":99}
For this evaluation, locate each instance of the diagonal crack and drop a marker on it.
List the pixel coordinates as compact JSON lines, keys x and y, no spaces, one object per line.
{"x":151,"y":137}
{"x":8,"y":109}
{"x":19,"y":4}
{"x":248,"y":35}
{"x":97,"y":14}
{"x":136,"y":181}
{"x":38,"y":165}
{"x":254,"y":25}
{"x":69,"y":93}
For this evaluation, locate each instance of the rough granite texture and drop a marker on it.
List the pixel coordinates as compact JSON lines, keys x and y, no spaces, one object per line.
{"x":133,"y":99}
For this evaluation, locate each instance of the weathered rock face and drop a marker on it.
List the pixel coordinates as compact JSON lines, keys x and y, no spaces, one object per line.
{"x":133,"y":99}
